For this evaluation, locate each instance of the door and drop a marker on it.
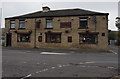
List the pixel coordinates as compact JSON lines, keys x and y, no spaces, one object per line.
{"x":8,"y":39}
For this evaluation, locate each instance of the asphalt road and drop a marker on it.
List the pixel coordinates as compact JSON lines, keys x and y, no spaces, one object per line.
{"x":58,"y":63}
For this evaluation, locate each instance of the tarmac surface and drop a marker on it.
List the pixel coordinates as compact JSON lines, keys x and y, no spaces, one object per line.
{"x":22,"y":62}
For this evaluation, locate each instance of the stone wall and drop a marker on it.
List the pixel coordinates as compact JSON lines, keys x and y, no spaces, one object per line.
{"x":101,"y":26}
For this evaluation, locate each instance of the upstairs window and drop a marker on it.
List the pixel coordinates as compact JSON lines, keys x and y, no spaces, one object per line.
{"x":88,"y":38}
{"x":65,"y":24}
{"x":49,"y":23}
{"x":83,"y":23}
{"x":12,"y":24}
{"x":22,"y":24}
{"x":23,"y":37}
{"x":37,"y":24}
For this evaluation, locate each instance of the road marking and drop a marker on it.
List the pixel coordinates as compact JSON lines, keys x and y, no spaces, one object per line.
{"x":89,"y":62}
{"x":52,"y":67}
{"x":59,"y":65}
{"x":26,"y":76}
{"x":113,"y":51}
{"x":110,"y":67}
{"x":83,"y":66}
{"x":53,"y":53}
{"x":81,"y":63}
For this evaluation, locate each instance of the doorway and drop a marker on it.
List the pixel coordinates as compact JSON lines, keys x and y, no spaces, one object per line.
{"x":8,"y":39}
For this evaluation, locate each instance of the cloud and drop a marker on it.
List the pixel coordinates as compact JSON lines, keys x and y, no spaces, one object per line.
{"x":19,"y":8}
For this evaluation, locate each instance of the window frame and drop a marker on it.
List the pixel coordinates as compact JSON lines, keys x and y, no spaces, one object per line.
{"x":88,"y":37}
{"x":51,"y":24}
{"x":23,"y":34}
{"x":69,"y":39}
{"x":39,"y":38}
{"x":20,"y":24}
{"x":38,"y":24}
{"x":80,"y":27}
{"x":50,"y":37}
{"x":12,"y":23}
{"x":65,"y":24}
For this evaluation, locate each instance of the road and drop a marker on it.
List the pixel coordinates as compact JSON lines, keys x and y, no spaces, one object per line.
{"x":57,"y":63}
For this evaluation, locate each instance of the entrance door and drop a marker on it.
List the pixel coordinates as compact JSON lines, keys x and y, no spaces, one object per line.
{"x":8,"y":39}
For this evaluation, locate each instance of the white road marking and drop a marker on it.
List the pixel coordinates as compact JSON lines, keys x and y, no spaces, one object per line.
{"x":44,"y":70}
{"x":110,"y":67}
{"x":89,"y":62}
{"x":81,"y":63}
{"x":64,"y":65}
{"x":29,"y":75}
{"x":52,"y":53}
{"x":83,"y":66}
{"x":52,"y":67}
{"x":59,"y":65}
{"x":113,"y":51}
{"x":26,"y":76}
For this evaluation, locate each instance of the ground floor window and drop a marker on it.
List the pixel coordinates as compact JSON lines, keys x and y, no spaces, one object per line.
{"x":69,"y":39}
{"x":53,"y":37}
{"x":40,"y":38}
{"x":88,"y":38}
{"x":23,"y":37}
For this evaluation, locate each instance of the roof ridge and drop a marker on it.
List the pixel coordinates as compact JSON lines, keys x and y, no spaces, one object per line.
{"x":60,"y":12}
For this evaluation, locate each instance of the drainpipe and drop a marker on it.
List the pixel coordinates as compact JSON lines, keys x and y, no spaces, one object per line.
{"x":35,"y":35}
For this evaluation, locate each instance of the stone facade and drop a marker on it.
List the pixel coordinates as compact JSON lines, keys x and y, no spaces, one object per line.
{"x":100,"y":27}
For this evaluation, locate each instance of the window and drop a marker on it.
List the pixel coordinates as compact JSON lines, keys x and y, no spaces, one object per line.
{"x":23,"y":37}
{"x":22,"y":24}
{"x":53,"y":38}
{"x":103,"y":34}
{"x":49,"y":23}
{"x":65,"y":24}
{"x":40,"y":38}
{"x":83,"y":23}
{"x":12,"y":24}
{"x":37,"y":24}
{"x":88,"y":38}
{"x":69,"y":39}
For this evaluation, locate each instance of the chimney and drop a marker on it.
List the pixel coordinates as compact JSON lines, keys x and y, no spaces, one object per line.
{"x":46,"y":9}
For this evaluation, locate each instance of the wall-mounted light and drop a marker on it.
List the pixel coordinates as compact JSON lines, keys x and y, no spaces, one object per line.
{"x":72,"y":18}
{"x":89,"y":18}
{"x":38,"y":21}
{"x":26,"y":20}
{"x":103,"y":17}
{"x":66,"y":31}
{"x":58,"y":19}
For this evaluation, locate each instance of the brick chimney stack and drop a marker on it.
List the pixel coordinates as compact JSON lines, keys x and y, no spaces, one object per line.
{"x":46,"y":9}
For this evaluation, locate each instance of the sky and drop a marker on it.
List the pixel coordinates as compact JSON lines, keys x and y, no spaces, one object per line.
{"x":10,"y":9}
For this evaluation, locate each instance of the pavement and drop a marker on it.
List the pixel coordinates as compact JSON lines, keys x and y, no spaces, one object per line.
{"x":22,"y":62}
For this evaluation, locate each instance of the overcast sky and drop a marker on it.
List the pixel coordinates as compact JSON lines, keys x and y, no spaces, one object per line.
{"x":20,"y":8}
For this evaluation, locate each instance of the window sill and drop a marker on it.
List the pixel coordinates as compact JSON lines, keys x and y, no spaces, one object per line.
{"x":88,"y":43}
{"x":21,"y":28}
{"x":23,"y":41}
{"x":48,"y":28}
{"x":12,"y":28}
{"x":52,"y":42}
{"x":83,"y":28}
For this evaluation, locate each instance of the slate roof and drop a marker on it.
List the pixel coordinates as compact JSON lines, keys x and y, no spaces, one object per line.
{"x":59,"y":13}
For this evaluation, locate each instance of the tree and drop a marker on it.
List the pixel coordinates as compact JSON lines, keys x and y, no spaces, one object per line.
{"x":118,"y":26}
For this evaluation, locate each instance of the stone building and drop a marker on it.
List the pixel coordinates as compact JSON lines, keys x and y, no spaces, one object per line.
{"x":68,"y":28}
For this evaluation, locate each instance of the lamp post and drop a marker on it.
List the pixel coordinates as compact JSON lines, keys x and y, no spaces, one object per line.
{"x":35,"y":35}
{"x":37,"y":22}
